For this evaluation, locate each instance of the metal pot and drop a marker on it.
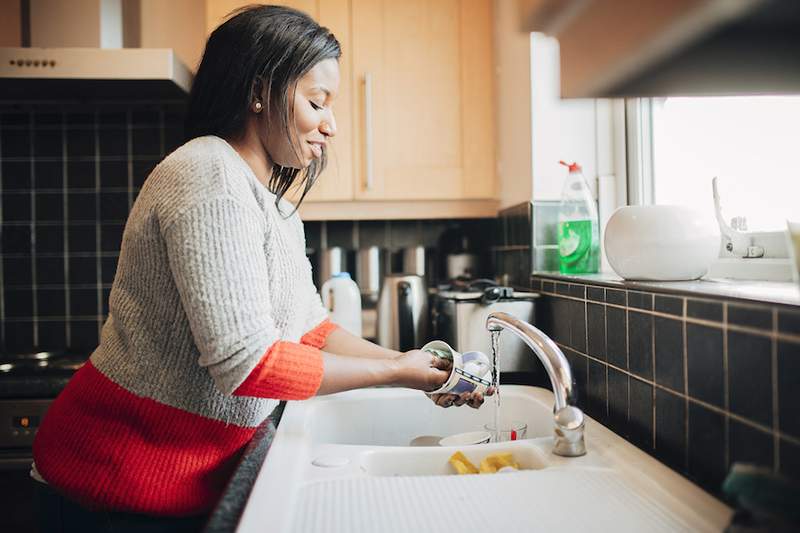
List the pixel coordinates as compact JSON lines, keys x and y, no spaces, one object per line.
{"x":402,"y":312}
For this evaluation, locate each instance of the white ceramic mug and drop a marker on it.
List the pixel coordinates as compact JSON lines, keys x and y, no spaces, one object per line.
{"x":461,"y":380}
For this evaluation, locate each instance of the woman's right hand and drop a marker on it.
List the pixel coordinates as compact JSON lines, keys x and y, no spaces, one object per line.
{"x":421,"y":370}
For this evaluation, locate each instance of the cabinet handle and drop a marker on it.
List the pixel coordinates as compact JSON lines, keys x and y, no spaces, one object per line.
{"x":368,"y":130}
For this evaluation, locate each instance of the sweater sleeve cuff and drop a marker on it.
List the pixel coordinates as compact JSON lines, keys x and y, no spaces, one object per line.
{"x":318,"y":336}
{"x":288,"y":371}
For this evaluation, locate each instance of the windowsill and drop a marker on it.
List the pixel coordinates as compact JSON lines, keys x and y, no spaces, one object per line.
{"x":774,"y":292}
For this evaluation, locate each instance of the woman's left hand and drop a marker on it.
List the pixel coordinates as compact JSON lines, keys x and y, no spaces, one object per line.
{"x":473,"y":399}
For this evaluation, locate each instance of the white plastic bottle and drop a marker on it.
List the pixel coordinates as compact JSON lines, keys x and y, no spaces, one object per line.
{"x":340,"y":295}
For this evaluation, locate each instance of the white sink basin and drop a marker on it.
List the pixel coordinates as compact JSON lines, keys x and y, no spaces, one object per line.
{"x":394,"y":417}
{"x":341,"y":464}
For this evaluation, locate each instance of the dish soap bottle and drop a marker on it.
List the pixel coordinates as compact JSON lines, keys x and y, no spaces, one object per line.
{"x":578,"y":233}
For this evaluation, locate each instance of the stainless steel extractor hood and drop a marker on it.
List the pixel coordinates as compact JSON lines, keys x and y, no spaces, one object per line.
{"x":76,"y":51}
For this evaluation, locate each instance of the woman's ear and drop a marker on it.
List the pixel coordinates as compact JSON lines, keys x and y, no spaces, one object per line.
{"x":257,"y":96}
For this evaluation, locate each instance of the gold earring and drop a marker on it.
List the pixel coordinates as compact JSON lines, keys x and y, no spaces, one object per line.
{"x":258,"y":107}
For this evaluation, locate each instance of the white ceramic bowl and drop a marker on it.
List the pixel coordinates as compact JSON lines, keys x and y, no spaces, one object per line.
{"x":661,"y":242}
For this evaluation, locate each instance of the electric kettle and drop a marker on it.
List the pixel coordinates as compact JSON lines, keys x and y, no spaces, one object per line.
{"x":403,"y":312}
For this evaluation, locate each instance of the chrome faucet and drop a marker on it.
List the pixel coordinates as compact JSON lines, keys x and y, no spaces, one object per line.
{"x":568,"y":419}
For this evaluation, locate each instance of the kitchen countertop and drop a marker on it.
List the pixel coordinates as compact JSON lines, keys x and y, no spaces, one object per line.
{"x":225,"y":516}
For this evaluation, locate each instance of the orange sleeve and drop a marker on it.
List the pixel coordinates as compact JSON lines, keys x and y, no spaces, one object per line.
{"x":318,"y":336}
{"x":289,"y":370}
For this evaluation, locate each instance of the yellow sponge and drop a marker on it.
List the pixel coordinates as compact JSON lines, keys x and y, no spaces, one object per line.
{"x":494,"y":462}
{"x":462,"y":464}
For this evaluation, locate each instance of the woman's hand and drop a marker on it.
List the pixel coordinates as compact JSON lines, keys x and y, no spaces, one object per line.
{"x":473,"y":399}
{"x":421,"y":370}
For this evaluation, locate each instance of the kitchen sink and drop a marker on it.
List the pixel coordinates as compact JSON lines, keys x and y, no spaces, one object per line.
{"x":394,"y":417}
{"x":342,"y":463}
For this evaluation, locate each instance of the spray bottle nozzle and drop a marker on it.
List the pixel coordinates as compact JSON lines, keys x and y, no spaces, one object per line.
{"x":573,"y":167}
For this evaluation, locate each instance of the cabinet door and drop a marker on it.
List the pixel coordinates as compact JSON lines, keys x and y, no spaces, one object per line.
{"x":423,"y":113}
{"x":336,"y":182}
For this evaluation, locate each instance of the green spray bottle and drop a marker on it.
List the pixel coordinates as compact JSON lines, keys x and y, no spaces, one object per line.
{"x":578,"y":231}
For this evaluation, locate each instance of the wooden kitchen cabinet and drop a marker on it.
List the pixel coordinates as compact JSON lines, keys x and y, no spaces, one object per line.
{"x":415,"y":111}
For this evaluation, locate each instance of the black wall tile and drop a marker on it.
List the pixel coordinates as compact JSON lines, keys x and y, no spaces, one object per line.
{"x":81,"y":206}
{"x":596,"y":330}
{"x":340,"y":233}
{"x":704,"y":310}
{"x":561,"y":314}
{"x":18,"y":302}
{"x":618,"y":401}
{"x":111,"y":237}
{"x":17,"y":271}
{"x":750,"y":376}
{"x":788,"y":397}
{"x":82,"y":270}
{"x":755,"y":317}
{"x":80,"y":143}
{"x":49,"y":239}
{"x":576,"y":290}
{"x":17,"y":175}
{"x":17,"y":239}
{"x":17,"y":207}
{"x":19,"y":336}
{"x":580,"y":373}
{"x":84,"y":335}
{"x":48,"y":143}
{"x":577,"y":319}
{"x":108,"y":267}
{"x":83,"y":302}
{"x":548,"y":286}
{"x":562,"y":288}
{"x":640,"y":350}
{"x":114,"y":206}
{"x":49,"y":207}
{"x":82,"y":238}
{"x":15,"y":143}
{"x":113,"y":174}
{"x":50,"y":270}
{"x":49,"y":175}
{"x":52,"y":335}
{"x":617,"y":340}
{"x":669,"y":353}
{"x":81,"y":175}
{"x":596,"y":294}
{"x":596,"y":396}
{"x":750,"y":445}
{"x":671,"y":429}
{"x":789,"y":321}
{"x":114,"y":142}
{"x":790,"y":459}
{"x":669,"y":305}
{"x":705,"y":365}
{"x":707,"y":463}
{"x":146,"y":141}
{"x":51,"y":302}
{"x":616,"y":297}
{"x":640,"y":423}
{"x":373,"y":233}
{"x":640,"y":300}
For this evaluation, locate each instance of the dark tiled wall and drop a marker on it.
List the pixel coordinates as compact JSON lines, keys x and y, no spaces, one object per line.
{"x":697,"y":383}
{"x":68,"y":176}
{"x":392,"y":236}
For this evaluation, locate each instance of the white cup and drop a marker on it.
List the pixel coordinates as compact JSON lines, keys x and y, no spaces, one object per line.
{"x":460,"y":380}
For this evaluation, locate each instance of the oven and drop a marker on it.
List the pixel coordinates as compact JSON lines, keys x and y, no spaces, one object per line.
{"x":28,"y":384}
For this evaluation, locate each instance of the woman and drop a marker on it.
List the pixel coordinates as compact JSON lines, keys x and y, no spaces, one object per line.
{"x":213,"y":315}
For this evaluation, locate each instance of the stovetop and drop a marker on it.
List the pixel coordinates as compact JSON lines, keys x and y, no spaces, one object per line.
{"x":37,"y":374}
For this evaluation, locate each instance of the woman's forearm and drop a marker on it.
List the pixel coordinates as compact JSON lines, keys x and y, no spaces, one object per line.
{"x":342,"y":342}
{"x":344,"y":372}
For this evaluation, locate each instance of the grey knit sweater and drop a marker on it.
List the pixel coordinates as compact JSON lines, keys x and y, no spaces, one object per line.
{"x":210,"y":275}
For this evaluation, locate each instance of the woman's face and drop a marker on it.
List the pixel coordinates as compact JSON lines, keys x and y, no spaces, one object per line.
{"x":314,"y":123}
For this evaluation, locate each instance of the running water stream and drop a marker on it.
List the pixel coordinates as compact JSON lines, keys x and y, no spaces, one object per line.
{"x":496,"y":384}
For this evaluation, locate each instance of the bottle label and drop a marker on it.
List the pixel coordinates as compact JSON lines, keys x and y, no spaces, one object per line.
{"x":576,"y":247}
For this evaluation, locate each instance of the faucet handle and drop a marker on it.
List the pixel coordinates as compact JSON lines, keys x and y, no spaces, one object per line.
{"x":570,"y":423}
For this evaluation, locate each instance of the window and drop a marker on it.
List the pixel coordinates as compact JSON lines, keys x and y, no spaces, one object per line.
{"x":675,"y":146}
{"x":750,"y":143}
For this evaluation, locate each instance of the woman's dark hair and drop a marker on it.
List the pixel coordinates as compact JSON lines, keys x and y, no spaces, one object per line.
{"x":259,"y":48}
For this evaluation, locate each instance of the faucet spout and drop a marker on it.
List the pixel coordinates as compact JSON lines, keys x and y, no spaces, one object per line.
{"x":568,"y":419}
